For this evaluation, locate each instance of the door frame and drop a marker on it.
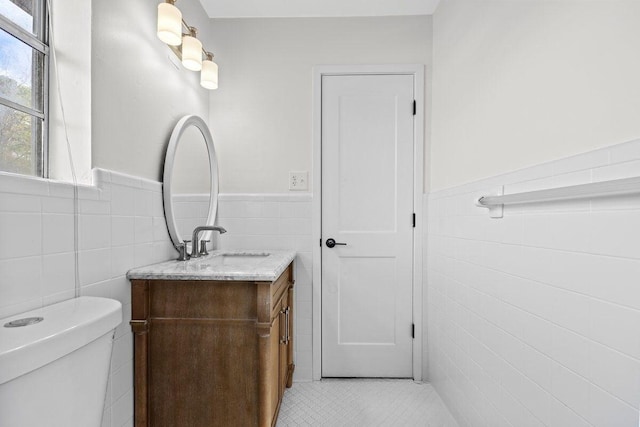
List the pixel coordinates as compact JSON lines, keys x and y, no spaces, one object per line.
{"x":417,"y":71}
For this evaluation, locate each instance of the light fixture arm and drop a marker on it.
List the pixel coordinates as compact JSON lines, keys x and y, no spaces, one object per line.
{"x":191,"y":31}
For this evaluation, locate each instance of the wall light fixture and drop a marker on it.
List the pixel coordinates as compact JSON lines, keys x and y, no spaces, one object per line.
{"x":185,"y":44}
{"x":169,"y":24}
{"x":191,"y":51}
{"x":209,"y":73}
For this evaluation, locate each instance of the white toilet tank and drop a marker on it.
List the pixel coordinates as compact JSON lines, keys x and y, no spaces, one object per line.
{"x":54,"y":373}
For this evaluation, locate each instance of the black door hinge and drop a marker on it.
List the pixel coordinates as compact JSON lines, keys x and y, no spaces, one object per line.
{"x":414,"y":220}
{"x":321,"y":242}
{"x":413,"y":330}
{"x":414,"y":107}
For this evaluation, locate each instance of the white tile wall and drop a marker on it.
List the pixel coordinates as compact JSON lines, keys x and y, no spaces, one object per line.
{"x":534,"y":319}
{"x":190,"y":210}
{"x":121,"y":226}
{"x":37,"y":260}
{"x":276,"y":222}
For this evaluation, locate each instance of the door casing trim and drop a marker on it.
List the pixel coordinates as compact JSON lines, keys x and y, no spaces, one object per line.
{"x":417,"y":71}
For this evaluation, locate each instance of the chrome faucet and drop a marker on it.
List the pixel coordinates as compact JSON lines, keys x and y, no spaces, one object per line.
{"x":194,"y":240}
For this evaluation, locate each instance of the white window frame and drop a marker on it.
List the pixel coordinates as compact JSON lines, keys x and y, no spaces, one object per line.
{"x":38,"y":42}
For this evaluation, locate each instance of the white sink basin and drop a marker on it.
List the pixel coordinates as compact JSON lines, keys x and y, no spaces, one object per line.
{"x":241,"y":259}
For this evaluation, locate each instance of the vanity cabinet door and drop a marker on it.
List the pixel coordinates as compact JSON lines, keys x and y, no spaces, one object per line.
{"x":286,"y":367}
{"x":289,"y":349}
{"x":284,"y":342}
{"x":274,"y":365}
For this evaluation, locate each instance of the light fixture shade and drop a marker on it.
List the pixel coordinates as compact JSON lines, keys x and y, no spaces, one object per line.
{"x":209,"y":75}
{"x":191,"y":53}
{"x":169,"y":24}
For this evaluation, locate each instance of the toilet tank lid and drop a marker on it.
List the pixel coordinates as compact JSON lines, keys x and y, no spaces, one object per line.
{"x":66,"y":327}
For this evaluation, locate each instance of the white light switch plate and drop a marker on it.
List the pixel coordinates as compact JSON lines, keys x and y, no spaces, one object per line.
{"x":298,"y":181}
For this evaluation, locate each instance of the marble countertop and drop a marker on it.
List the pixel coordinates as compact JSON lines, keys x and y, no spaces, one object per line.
{"x":262,"y":266}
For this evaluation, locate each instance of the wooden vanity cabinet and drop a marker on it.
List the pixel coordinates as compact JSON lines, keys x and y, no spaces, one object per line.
{"x":211,"y":353}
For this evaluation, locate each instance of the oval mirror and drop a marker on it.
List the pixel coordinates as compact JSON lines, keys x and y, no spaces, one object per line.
{"x":190,"y":179}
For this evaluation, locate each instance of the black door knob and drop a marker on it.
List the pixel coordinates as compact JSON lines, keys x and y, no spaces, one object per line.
{"x":331,"y":243}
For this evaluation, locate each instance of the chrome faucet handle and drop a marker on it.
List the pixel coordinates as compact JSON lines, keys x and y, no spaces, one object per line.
{"x":203,"y":247}
{"x":182,"y":250}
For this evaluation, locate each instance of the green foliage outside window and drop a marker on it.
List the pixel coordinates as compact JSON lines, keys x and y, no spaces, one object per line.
{"x":16,"y":147}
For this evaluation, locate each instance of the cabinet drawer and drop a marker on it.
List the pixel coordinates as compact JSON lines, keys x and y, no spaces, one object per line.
{"x":202,"y":300}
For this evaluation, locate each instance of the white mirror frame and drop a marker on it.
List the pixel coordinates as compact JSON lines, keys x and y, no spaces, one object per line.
{"x":177,"y":132}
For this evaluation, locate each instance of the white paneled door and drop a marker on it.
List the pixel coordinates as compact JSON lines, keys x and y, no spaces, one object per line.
{"x":367,"y":210}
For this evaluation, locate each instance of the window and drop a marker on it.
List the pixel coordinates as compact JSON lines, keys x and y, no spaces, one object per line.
{"x":23,"y":87}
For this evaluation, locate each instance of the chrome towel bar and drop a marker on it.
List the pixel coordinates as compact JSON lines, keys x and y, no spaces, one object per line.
{"x":617,"y":187}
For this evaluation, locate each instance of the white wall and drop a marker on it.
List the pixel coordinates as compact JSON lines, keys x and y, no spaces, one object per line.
{"x":138,"y":93}
{"x":534,"y":319}
{"x":72,"y":51}
{"x":517,"y":83}
{"x":261,"y":114}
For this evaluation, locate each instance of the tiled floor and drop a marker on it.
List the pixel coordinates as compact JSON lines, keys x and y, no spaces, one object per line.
{"x":363,"y":403}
